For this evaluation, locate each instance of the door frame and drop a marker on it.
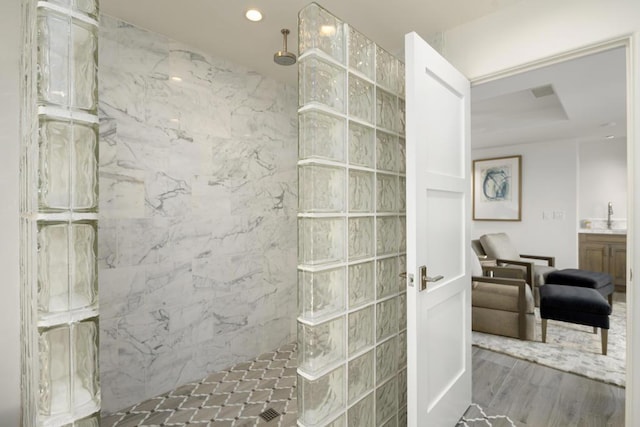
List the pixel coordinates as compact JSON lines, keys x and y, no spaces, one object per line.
{"x":631,"y":43}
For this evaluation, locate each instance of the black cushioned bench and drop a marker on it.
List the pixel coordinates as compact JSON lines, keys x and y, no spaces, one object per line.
{"x":601,"y":282}
{"x":575,"y":304}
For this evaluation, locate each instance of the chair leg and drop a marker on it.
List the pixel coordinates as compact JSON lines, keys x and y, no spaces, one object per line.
{"x":604,"y":335}
{"x":595,"y":330}
{"x":544,"y":330}
{"x":610,"y":297}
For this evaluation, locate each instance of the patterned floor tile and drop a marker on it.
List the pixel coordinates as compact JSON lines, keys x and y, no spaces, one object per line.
{"x":234,"y":397}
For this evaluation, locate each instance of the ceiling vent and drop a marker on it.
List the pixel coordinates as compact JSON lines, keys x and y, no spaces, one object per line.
{"x":542,"y":91}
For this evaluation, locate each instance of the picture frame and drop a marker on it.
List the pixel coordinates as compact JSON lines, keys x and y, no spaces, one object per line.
{"x":497,"y":189}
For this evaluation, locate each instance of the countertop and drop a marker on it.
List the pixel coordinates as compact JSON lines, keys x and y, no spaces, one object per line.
{"x":602,"y":231}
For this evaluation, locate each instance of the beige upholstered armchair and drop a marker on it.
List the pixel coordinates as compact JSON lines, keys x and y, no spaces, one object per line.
{"x":501,"y":306}
{"x":498,"y":246}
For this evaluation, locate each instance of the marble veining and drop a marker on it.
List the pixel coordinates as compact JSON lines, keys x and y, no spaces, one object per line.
{"x":198,"y":203}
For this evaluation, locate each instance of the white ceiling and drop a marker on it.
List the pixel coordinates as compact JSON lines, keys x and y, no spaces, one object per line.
{"x":589,"y":91}
{"x":589,"y":103}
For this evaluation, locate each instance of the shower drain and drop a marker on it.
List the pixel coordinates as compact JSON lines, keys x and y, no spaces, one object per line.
{"x":269,"y":414}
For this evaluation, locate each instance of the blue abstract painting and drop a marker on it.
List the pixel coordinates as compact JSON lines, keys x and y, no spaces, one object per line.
{"x":496,"y":183}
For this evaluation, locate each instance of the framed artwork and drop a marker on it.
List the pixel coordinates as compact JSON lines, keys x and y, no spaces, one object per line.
{"x":497,"y":189}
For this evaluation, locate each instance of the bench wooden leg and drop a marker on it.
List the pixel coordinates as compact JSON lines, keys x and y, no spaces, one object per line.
{"x":544,"y":330}
{"x":604,"y":335}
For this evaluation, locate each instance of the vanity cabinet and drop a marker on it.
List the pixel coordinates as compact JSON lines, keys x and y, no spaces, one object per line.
{"x":606,"y":253}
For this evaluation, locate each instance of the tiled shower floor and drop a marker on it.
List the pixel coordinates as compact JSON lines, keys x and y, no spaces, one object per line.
{"x":231,"y":398}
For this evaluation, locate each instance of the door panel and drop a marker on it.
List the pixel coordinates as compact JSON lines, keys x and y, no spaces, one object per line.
{"x":438,"y":222}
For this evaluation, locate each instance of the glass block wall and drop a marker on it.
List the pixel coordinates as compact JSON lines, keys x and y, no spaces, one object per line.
{"x":59,"y":201}
{"x":351,"y":228}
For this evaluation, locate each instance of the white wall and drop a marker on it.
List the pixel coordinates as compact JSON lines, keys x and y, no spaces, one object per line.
{"x":549,"y":184}
{"x":531,"y":30}
{"x":603,"y":178}
{"x":9,"y":214}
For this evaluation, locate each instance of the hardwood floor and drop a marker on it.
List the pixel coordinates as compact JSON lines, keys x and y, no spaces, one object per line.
{"x":537,"y":396}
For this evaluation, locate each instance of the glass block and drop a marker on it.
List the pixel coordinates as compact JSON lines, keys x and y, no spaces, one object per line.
{"x":402,"y":350}
{"x":402,"y":158}
{"x":402,"y":194}
{"x":67,"y":177}
{"x":387,"y":229}
{"x":386,"y":110}
{"x":84,"y":65}
{"x":321,"y":240}
{"x":386,"y":192}
{"x":321,"y":293}
{"x":360,"y":376}
{"x":361,"y":238}
{"x":361,"y":145}
{"x":55,"y":371}
{"x":360,"y":330}
{"x":338,"y":422}
{"x":386,"y":69}
{"x":361,"y":284}
{"x":386,"y":400}
{"x":319,"y":29}
{"x":321,"y":399}
{"x":84,"y":179}
{"x":402,"y":388}
{"x":321,"y":82}
{"x":360,"y":191}
{"x":391,"y":422}
{"x":402,"y":234}
{"x":386,"y":278}
{"x":386,"y":152}
{"x":53,"y":57}
{"x":401,"y":78}
{"x":66,"y":266}
{"x":361,"y":53}
{"x":360,"y":99}
{"x":386,"y":318}
{"x":320,"y":346}
{"x":321,"y":136}
{"x":386,"y":359}
{"x":92,"y":421}
{"x":322,"y":188}
{"x":402,"y":311}
{"x":402,"y":268}
{"x":86,"y":378}
{"x":361,"y":414}
{"x":54,"y":175}
{"x":402,"y":417}
{"x":89,"y":7}
{"x":401,"y":127}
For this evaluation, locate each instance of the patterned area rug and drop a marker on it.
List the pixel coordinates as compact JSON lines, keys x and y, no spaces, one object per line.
{"x":476,"y":416}
{"x":570,"y":348}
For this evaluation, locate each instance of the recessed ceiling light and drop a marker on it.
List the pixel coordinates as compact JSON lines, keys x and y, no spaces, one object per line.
{"x":253,"y":15}
{"x":609,"y":136}
{"x":176,"y":78}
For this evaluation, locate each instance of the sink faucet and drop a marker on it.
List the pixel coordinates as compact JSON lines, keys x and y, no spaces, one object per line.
{"x":609,"y":213}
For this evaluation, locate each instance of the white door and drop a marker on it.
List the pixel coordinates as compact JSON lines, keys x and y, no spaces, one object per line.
{"x":438,"y":221}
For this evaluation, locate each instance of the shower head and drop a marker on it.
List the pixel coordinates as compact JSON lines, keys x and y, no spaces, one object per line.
{"x":282,"y":57}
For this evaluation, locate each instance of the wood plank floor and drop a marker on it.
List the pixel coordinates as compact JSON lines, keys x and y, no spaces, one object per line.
{"x":537,"y":396}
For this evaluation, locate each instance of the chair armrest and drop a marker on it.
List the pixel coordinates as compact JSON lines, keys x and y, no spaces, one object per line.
{"x":551,"y":261}
{"x":529,"y":269}
{"x":503,"y":272}
{"x":522,"y":298}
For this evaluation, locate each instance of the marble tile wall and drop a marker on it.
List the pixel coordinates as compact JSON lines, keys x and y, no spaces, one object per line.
{"x":198,"y":204}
